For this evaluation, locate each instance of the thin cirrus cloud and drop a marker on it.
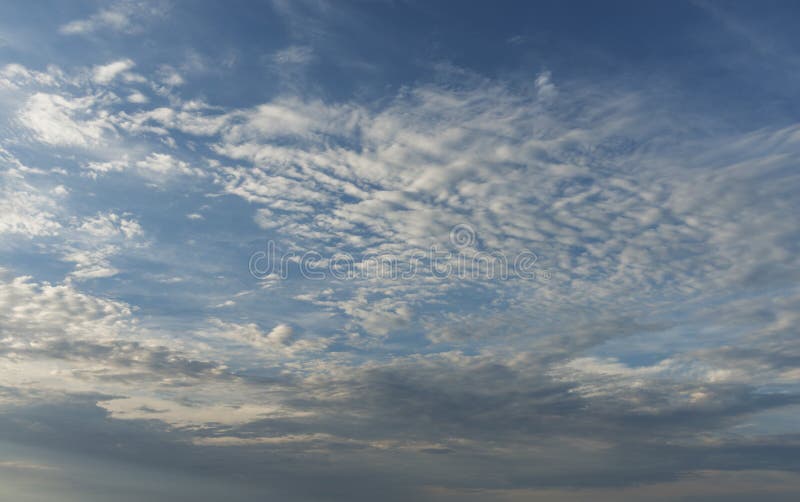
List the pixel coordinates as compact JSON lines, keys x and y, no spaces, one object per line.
{"x":120,"y":17}
{"x":651,"y":352}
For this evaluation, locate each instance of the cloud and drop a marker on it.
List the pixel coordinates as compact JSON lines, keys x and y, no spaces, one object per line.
{"x":157,"y":167}
{"x":110,"y":226}
{"x":25,"y":466}
{"x":280,"y":335}
{"x":138,"y":98}
{"x":14,"y":76}
{"x":164,"y":164}
{"x":170,"y":77}
{"x":545,"y":87}
{"x":280,"y":341}
{"x":25,"y":210}
{"x":104,"y":74}
{"x":666,"y":325}
{"x":63,"y":121}
{"x":294,"y":54}
{"x":41,"y":310}
{"x":96,"y":240}
{"x":106,"y":19}
{"x":121,"y":17}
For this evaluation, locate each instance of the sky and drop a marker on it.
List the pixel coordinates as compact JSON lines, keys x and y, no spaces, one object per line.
{"x":312,"y":251}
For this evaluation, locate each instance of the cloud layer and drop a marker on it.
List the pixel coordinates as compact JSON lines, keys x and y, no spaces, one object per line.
{"x":651,"y":352}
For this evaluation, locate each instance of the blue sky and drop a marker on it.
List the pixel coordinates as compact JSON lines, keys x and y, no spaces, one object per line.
{"x":630,"y":166}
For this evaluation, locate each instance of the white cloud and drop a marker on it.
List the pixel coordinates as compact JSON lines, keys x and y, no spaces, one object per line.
{"x":121,"y":17}
{"x":169,"y":76}
{"x":138,"y":98}
{"x":105,"y":226}
{"x":280,"y":334}
{"x":63,"y":121}
{"x":113,"y":20}
{"x":92,"y":263}
{"x":156,"y":166}
{"x":27,"y":213}
{"x":39,"y":310}
{"x":545,"y":87}
{"x":163,"y":164}
{"x":96,"y":167}
{"x":14,"y":76}
{"x":25,"y":209}
{"x":104,"y":74}
{"x":94,"y":241}
{"x":183,"y":415}
{"x":395,"y":178}
{"x":281,"y":341}
{"x":56,"y":340}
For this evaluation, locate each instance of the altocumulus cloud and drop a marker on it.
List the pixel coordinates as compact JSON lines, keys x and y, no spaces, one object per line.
{"x":652,"y":355}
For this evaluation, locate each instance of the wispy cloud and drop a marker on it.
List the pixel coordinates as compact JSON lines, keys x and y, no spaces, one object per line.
{"x":121,"y":17}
